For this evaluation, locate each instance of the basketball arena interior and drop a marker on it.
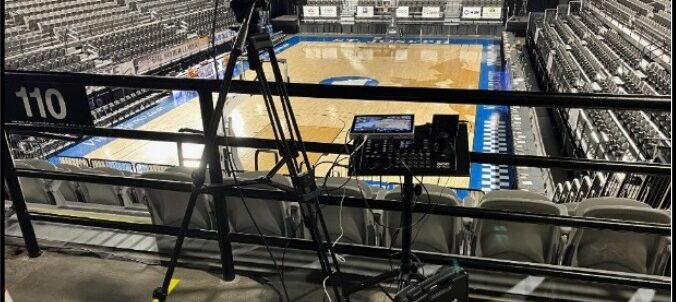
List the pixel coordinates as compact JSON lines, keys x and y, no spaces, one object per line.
{"x":337,"y":150}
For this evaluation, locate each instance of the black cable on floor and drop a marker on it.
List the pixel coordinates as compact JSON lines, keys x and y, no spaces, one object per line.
{"x":266,"y":282}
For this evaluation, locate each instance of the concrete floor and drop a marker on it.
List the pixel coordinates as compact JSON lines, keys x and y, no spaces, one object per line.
{"x":63,"y":277}
{"x":84,"y":276}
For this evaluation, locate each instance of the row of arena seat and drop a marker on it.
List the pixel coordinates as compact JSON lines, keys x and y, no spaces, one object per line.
{"x":58,"y":192}
{"x":619,"y":11}
{"x":136,"y":42}
{"x":652,"y":190}
{"x":626,"y":50}
{"x":637,"y":6}
{"x":663,"y":120}
{"x":31,"y":147}
{"x":598,"y":249}
{"x":200,"y":22}
{"x":75,"y":18}
{"x":616,"y":132}
{"x":662,"y":17}
{"x":651,"y":20}
{"x":28,"y":40}
{"x":54,"y":58}
{"x":45,"y":7}
{"x":27,"y":4}
{"x":659,"y":78}
{"x":102,"y":26}
{"x":120,"y":109}
{"x":177,"y":7}
{"x":41,"y":19}
{"x":655,"y":30}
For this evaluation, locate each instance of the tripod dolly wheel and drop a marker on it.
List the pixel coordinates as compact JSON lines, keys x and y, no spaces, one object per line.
{"x":159,"y":294}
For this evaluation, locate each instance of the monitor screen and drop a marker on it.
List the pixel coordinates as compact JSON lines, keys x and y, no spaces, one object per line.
{"x":382,"y":124}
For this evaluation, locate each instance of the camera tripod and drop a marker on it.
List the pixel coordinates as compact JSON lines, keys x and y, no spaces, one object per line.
{"x":288,"y":140}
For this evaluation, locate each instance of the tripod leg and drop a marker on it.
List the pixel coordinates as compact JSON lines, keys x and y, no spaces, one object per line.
{"x":279,"y":81}
{"x":292,"y":165}
{"x":210,"y":138}
{"x":275,"y":122}
{"x":308,"y":218}
{"x":161,"y":292}
{"x":407,"y":229}
{"x":288,"y":109}
{"x":326,"y":233}
{"x":293,"y":128}
{"x":220,"y":211}
{"x":321,"y":252}
{"x":289,"y":147}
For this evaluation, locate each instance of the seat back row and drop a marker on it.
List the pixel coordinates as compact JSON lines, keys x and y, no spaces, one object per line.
{"x":60,"y":192}
{"x":510,"y":240}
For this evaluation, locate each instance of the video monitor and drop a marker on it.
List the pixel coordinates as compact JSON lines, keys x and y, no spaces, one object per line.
{"x":400,"y":125}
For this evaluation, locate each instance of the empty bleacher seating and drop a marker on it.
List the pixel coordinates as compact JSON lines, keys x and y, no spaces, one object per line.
{"x":592,"y":55}
{"x":628,"y":52}
{"x":129,"y":43}
{"x":66,"y":35}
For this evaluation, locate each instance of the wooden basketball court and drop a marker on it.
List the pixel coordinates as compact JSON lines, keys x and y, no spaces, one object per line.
{"x":327,"y":120}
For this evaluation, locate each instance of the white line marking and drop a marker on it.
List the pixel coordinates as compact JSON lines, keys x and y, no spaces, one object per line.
{"x":526,"y":286}
{"x":643,"y":295}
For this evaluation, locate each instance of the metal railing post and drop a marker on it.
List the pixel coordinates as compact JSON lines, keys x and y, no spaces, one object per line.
{"x":179,"y":151}
{"x":216,"y":175}
{"x":18,"y":201}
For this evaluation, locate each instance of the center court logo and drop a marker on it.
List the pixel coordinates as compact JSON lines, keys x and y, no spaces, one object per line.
{"x":350,"y":80}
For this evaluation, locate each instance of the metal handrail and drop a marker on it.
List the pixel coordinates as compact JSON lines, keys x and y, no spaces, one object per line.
{"x":575,"y":273}
{"x":402,"y":94}
{"x":475,"y":157}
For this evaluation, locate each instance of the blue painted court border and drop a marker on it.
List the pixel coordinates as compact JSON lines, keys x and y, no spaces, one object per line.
{"x":484,"y":112}
{"x":179,"y":98}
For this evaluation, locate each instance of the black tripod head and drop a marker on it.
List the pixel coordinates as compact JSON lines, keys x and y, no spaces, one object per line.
{"x":242,"y":8}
